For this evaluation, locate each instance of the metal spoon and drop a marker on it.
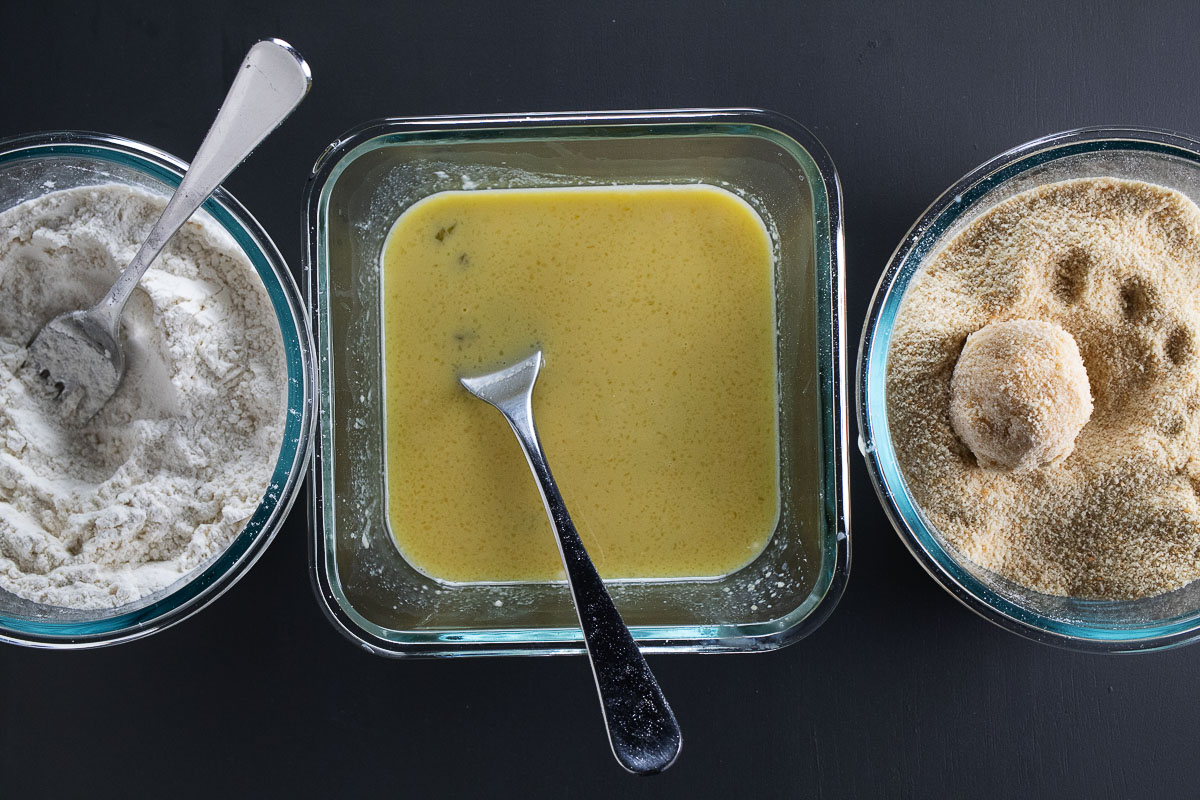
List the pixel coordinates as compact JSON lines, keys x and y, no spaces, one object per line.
{"x":642,"y":729}
{"x":78,"y":355}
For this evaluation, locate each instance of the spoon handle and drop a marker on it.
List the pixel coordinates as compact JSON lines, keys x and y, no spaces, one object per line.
{"x":270,"y":83}
{"x":642,"y":729}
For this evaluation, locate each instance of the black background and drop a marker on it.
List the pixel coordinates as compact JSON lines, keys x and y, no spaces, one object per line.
{"x":902,"y":693}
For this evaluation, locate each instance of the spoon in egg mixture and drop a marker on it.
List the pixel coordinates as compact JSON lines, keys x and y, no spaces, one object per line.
{"x":642,"y":729}
{"x":78,"y":355}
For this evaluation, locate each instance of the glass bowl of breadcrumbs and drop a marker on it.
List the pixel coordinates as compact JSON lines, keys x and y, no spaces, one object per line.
{"x":1067,"y":511}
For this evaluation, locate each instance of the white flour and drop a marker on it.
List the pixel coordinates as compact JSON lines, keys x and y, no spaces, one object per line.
{"x":165,"y":476}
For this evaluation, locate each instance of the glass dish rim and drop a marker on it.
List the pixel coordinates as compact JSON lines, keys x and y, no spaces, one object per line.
{"x":252,"y":541}
{"x":902,"y":511}
{"x":831,"y":365}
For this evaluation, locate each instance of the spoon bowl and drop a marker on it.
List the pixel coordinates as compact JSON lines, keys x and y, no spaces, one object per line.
{"x":79,"y":362}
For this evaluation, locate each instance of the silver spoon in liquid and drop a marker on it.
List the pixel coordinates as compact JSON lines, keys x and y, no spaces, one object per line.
{"x":78,"y":355}
{"x":642,"y":729}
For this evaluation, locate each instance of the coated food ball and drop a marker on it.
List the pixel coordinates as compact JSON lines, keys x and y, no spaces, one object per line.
{"x":1019,"y":394}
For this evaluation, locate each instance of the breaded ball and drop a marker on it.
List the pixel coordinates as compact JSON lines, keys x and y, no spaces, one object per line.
{"x":1019,"y":394}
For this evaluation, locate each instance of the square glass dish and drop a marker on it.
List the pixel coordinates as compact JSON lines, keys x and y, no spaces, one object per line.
{"x":359,"y":187}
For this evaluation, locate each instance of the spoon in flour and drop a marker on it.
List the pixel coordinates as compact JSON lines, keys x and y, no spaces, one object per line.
{"x":642,"y":729}
{"x":78,"y":355}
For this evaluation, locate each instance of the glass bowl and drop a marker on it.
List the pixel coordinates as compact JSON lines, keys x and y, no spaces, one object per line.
{"x":36,"y":164}
{"x":1151,"y":623}
{"x":362,"y":183}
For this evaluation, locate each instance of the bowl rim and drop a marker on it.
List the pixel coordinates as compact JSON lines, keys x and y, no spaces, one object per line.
{"x":919,"y":241}
{"x":831,"y":366}
{"x":224,"y":570}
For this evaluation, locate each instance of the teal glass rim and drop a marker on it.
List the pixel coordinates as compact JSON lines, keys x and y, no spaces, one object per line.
{"x":875,"y":442}
{"x":178,"y":602}
{"x":822,"y":178}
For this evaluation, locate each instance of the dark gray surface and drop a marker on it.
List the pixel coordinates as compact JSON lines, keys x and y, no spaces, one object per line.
{"x":902,"y":693}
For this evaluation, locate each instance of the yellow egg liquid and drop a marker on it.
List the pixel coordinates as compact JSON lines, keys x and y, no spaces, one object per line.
{"x":657,"y":403}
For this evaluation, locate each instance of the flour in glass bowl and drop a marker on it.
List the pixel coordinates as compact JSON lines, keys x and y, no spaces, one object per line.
{"x":166,"y":475}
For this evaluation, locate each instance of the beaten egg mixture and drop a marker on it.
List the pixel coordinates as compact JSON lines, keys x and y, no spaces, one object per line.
{"x":657,"y":405}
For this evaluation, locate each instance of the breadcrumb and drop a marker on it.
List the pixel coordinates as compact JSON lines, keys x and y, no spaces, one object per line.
{"x":1116,"y":265}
